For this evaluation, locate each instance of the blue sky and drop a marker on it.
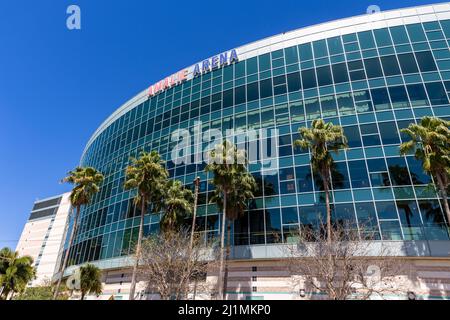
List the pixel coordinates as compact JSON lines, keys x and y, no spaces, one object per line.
{"x":57,"y":85}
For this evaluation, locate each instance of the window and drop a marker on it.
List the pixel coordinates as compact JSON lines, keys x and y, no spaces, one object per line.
{"x":388,"y":132}
{"x":436,"y":92}
{"x":289,"y":215}
{"x":345,"y":103}
{"x":358,"y":174}
{"x":390,"y":230}
{"x":367,"y":219}
{"x":293,"y":80}
{"x":399,"y":35}
{"x":304,"y":179}
{"x":256,"y":227}
{"x":366,"y":40}
{"x":416,"y":33}
{"x":227,"y":98}
{"x":353,"y":136}
{"x":305,"y":52}
{"x":320,"y":49}
{"x":408,"y":63}
{"x":252,"y":91}
{"x":297,"y":111}
{"x":373,"y":68}
{"x":380,"y":99}
{"x":312,"y":108}
{"x":425,"y":61}
{"x":431,"y":213}
{"x":378,"y":172}
{"x":344,"y":214}
{"x":399,"y":97}
{"x":390,"y":65}
{"x":340,"y":72}
{"x":386,"y":210}
{"x":340,"y":176}
{"x":329,"y":107}
{"x":252,"y":65}
{"x":324,"y":76}
{"x":409,"y":213}
{"x":291,"y":55}
{"x":264,"y":62}
{"x":418,"y":176}
{"x":398,"y":171}
{"x":309,"y":79}
{"x":273,"y":225}
{"x":382,"y":37}
{"x":417,"y":95}
{"x":239,"y":95}
{"x":335,"y":45}
{"x":265,"y":87}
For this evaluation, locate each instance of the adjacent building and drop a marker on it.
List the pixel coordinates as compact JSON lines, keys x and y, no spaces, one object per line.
{"x":43,"y":235}
{"x":372,"y":74}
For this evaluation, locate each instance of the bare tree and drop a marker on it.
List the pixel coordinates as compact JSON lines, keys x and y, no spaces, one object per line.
{"x":172,"y":267}
{"x":347,"y":267}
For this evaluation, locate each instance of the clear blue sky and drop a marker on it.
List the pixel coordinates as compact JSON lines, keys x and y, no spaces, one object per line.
{"x":57,"y":86}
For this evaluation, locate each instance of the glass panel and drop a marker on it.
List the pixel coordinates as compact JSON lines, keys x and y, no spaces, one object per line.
{"x":273,"y":225}
{"x":373,"y":68}
{"x":425,"y":61}
{"x":305,"y":51}
{"x":304,"y":179}
{"x":353,"y":136}
{"x":309,"y":79}
{"x":416,"y":33}
{"x":366,"y":40}
{"x":380,"y":99}
{"x":382,"y":37}
{"x":320,"y":49}
{"x":399,"y":35}
{"x":358,"y":174}
{"x":398,"y":171}
{"x":335,"y":45}
{"x":340,"y":176}
{"x":390,"y":65}
{"x":386,"y":210}
{"x":408,"y":63}
{"x":340,"y":73}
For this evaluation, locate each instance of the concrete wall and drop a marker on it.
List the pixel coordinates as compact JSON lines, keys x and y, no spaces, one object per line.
{"x":428,"y":278}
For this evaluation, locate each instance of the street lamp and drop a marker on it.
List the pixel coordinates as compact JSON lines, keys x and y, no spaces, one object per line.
{"x":302,"y":293}
{"x":411,"y":295}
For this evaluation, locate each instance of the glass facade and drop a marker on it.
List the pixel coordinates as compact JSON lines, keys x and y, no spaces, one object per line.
{"x":373,"y":83}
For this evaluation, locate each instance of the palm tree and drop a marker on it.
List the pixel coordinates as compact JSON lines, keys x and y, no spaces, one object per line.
{"x":90,"y":280}
{"x":86,"y":181}
{"x":15,"y":272}
{"x":322,"y":139}
{"x":430,"y":142}
{"x":234,"y":186}
{"x":178,"y":203}
{"x":148,"y":175}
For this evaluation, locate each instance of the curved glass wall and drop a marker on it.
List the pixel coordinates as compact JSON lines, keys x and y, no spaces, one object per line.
{"x":373,"y":83}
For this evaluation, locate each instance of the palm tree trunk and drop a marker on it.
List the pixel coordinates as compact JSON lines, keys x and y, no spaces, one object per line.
{"x":138,"y":252}
{"x":220,"y":289}
{"x":443,"y":192}
{"x":66,"y":256}
{"x":227,"y":257}
{"x":327,"y":204}
{"x":194,"y":214}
